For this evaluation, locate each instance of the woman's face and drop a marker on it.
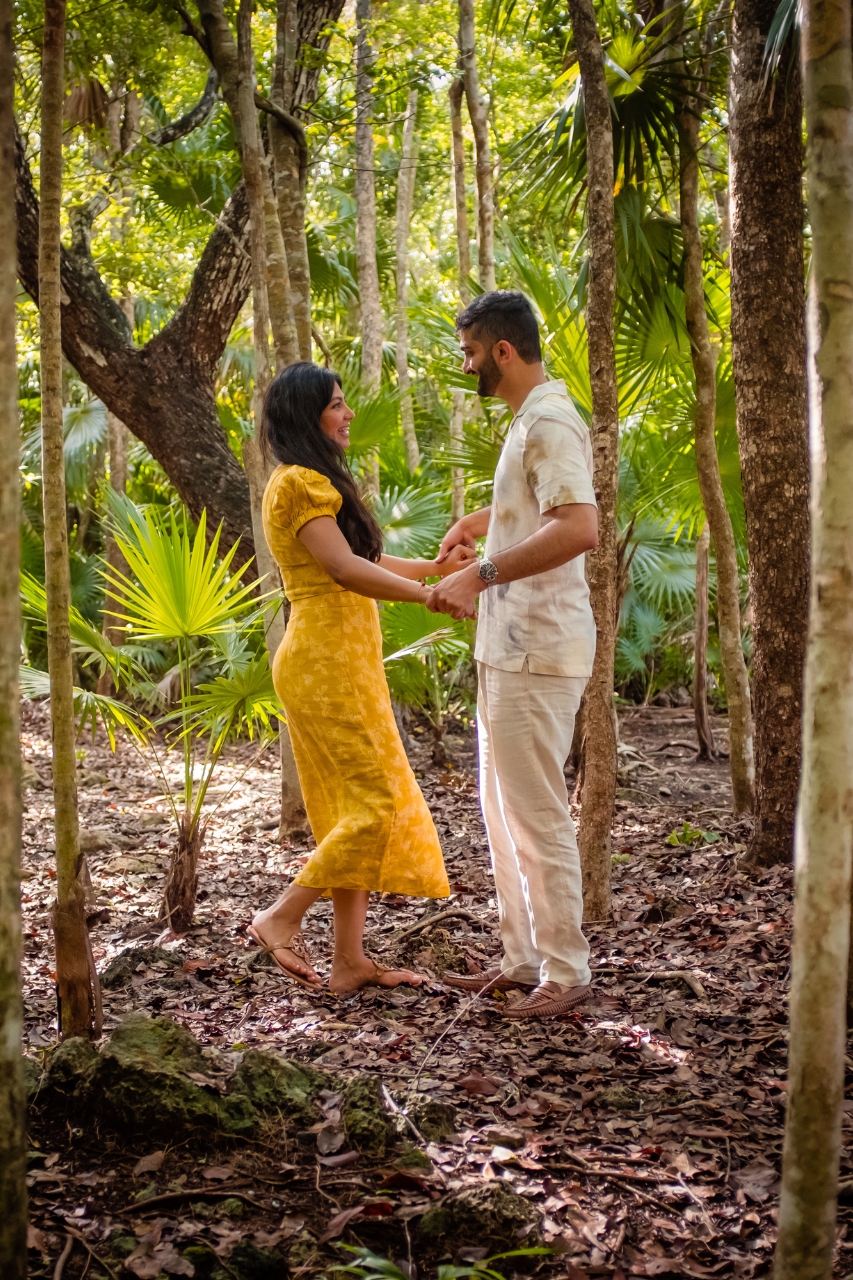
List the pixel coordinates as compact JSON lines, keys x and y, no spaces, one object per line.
{"x":336,"y":417}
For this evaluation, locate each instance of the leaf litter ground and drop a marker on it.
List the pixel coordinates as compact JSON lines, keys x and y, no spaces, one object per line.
{"x":645,"y":1130}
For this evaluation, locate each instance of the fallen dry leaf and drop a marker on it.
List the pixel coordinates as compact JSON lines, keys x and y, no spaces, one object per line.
{"x":476,"y":1083}
{"x":217,"y":1172}
{"x":335,"y":1226}
{"x":149,"y":1164}
{"x":35,"y":1239}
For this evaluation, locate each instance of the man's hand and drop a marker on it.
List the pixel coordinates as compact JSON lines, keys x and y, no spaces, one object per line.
{"x":457,"y":536}
{"x":456,"y":595}
{"x":458,"y":557}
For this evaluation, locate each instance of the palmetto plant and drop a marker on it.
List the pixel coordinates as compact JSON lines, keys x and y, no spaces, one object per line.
{"x":428,"y":664}
{"x":179,"y":591}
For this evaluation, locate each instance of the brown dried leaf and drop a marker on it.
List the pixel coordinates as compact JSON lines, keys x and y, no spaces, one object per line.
{"x":217,"y":1172}
{"x":149,"y":1164}
{"x":476,"y":1083}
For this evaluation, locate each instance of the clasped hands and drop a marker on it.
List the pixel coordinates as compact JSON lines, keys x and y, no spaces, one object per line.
{"x":461,"y":582}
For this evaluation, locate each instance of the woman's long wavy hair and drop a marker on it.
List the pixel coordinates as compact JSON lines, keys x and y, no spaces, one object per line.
{"x":292,"y":434}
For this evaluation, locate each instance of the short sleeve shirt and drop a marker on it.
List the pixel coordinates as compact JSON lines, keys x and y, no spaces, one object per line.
{"x":293,"y":496}
{"x":546,"y":619}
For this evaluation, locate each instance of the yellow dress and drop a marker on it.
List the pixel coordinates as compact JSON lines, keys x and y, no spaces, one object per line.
{"x":368,"y":815}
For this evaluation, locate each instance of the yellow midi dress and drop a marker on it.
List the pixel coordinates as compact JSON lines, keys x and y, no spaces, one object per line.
{"x":368,"y":815}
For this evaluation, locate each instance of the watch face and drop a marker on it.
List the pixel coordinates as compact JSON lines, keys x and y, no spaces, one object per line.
{"x":488,"y":571}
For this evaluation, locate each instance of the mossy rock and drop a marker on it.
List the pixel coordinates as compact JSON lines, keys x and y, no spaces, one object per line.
{"x":274,"y":1084}
{"x":202,"y":1260}
{"x":303,"y":1253}
{"x":141,"y":1083}
{"x":413,"y":1158}
{"x":120,"y":971}
{"x":435,"y":1120}
{"x":618,"y":1097}
{"x":248,"y":1262}
{"x":72,"y":1064}
{"x":32,"y":1077}
{"x":491,"y":1214}
{"x":366,"y":1121}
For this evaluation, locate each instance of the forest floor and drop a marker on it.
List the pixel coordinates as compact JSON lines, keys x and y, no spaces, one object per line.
{"x":645,"y":1129}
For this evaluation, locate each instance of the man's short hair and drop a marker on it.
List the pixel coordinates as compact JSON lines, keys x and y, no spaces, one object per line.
{"x":503,"y":316}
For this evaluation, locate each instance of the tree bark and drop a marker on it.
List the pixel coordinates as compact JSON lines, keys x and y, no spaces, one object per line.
{"x":457,"y":436}
{"x":599,"y":788}
{"x":460,"y":194}
{"x":769,"y":360}
{"x":290,"y":160}
{"x":707,"y":463}
{"x":279,"y":293}
{"x":478,"y":110}
{"x":365,"y":202}
{"x":824,"y":829}
{"x":13,"y":1141}
{"x":76,"y":998}
{"x":405,"y":201}
{"x":704,"y":734}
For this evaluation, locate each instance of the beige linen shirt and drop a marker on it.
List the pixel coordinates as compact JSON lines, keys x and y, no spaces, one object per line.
{"x":546,"y":619}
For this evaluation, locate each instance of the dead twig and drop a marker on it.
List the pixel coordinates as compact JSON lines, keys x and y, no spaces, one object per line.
{"x":434,"y":919}
{"x":91,"y":1252}
{"x":180,"y":1197}
{"x":618,"y":1181}
{"x":63,"y":1258}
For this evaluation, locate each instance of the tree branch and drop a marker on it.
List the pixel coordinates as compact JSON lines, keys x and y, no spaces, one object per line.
{"x":192,"y":119}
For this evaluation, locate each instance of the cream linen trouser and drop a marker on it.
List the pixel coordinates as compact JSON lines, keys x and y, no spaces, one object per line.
{"x":525,"y":727}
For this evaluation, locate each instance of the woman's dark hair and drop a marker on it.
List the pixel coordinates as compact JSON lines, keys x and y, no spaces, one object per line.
{"x":292,"y":434}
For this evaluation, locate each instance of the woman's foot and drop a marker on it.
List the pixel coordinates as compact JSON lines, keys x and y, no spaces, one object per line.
{"x":347,"y":977}
{"x":287,"y":946}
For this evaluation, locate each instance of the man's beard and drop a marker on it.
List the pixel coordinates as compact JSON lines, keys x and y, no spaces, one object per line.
{"x":488,"y":377}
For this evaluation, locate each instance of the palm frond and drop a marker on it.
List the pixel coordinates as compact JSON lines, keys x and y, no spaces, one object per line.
{"x":413,"y":520}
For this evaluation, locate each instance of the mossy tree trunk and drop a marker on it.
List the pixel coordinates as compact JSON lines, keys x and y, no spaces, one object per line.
{"x":824,"y":830}
{"x":599,"y":786}
{"x":74,"y":972}
{"x":704,"y":357}
{"x":13,"y":1144}
{"x":405,"y":200}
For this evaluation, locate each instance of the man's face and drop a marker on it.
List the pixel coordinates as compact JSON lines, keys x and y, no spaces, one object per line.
{"x":477,"y":359}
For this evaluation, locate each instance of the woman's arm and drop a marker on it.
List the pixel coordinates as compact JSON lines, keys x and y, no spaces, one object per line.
{"x":330,"y":548}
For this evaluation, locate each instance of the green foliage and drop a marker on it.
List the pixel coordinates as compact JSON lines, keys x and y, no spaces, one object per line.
{"x":372,"y":1266}
{"x":689,"y":835}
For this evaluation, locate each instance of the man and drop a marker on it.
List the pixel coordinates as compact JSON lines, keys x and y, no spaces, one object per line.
{"x":534,"y":652}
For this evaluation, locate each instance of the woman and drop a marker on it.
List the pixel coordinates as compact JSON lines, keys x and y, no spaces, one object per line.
{"x":369,"y":818}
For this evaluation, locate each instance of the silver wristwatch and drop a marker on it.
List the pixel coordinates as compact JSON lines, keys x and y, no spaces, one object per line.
{"x":488,"y":571}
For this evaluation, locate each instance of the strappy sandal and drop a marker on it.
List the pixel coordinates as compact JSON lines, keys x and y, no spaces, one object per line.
{"x":543,"y":1003}
{"x":298,"y":945}
{"x":378,"y":970}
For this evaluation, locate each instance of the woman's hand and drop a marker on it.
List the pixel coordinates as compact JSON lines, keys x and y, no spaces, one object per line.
{"x":458,"y":557}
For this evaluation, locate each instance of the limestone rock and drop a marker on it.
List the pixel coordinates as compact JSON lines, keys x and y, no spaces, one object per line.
{"x":619,"y":1098}
{"x":367,"y":1123}
{"x":491,"y":1214}
{"x":435,"y":1120}
{"x":275,"y":1084}
{"x":121,"y":970}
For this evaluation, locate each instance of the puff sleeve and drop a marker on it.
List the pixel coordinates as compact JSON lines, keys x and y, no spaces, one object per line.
{"x":301,"y":495}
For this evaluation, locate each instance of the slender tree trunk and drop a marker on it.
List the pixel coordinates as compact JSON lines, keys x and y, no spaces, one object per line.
{"x":478,"y":110}
{"x":405,"y":202}
{"x":707,"y":749}
{"x":365,"y":200}
{"x":73,"y":971}
{"x":290,"y":160}
{"x":824,"y":829}
{"x":117,"y":436}
{"x":599,"y":788}
{"x":460,"y":195}
{"x":707,"y":464}
{"x":457,"y":474}
{"x":279,"y":294}
{"x":769,"y":359}
{"x":13,"y":1141}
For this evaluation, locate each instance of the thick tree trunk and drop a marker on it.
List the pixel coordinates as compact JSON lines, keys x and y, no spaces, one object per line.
{"x":13,"y":1140}
{"x":707,"y":464}
{"x":707,"y":749}
{"x":460,"y":194}
{"x":365,"y":203}
{"x":769,"y":359}
{"x":599,"y":789}
{"x":824,"y":830}
{"x":290,"y":160}
{"x":478,"y":110}
{"x":76,"y":997}
{"x":405,"y":201}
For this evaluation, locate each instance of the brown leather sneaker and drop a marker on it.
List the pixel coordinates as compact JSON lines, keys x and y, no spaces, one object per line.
{"x":491,"y":980}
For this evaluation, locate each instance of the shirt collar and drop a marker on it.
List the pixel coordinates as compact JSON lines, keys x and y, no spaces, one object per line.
{"x":556,"y":386}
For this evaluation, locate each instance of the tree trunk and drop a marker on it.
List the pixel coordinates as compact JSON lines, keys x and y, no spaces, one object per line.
{"x":181,"y":887}
{"x":460,"y":194}
{"x":290,"y":161}
{"x":279,"y":293}
{"x":704,"y":734}
{"x":478,"y":110}
{"x":824,"y":828}
{"x":769,"y":359}
{"x":599,"y":789}
{"x":365,"y":203}
{"x":117,"y":453}
{"x":707,"y":464}
{"x":76,"y":997}
{"x":405,"y":201}
{"x":13,"y":1141}
{"x":457,"y":474}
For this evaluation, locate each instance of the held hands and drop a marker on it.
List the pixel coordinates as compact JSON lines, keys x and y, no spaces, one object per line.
{"x":457,"y":594}
{"x":454,"y":559}
{"x":457,"y":536}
